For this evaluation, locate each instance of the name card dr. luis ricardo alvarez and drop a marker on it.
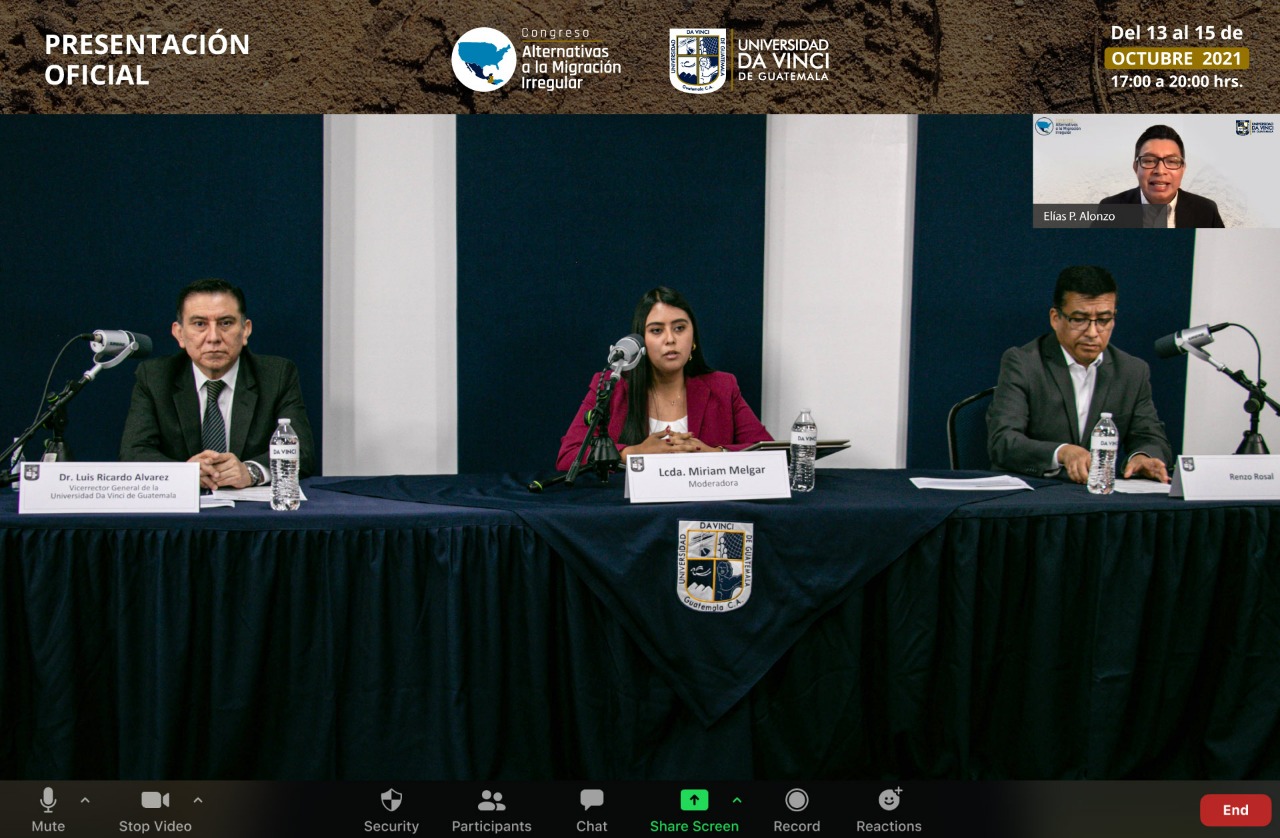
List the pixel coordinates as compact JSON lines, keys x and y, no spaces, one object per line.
{"x":738,"y":475}
{"x":50,"y":488}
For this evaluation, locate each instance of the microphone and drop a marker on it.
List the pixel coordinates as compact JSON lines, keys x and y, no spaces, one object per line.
{"x":1189,"y":341}
{"x":112,"y":346}
{"x":1184,"y":340}
{"x":114,"y":341}
{"x":626,"y":354}
{"x":47,"y":801}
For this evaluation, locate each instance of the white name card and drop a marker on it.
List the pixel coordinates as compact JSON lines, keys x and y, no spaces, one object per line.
{"x":735,"y":475}
{"x":117,"y":488}
{"x":1227,"y":477}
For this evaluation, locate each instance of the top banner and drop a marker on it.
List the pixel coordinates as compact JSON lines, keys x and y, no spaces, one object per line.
{"x":626,"y":56}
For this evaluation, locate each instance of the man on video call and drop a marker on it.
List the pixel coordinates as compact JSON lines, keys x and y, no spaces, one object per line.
{"x":1052,"y":391}
{"x":217,"y":403}
{"x":1159,"y":161}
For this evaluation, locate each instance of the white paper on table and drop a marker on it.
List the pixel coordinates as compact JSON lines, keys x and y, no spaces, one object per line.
{"x":253,"y":494}
{"x":214,"y":501}
{"x":1142,"y":487}
{"x":1001,"y":483}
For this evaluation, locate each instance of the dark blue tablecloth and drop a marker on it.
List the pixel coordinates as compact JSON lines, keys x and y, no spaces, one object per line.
{"x":1031,"y":635}
{"x":811,"y":551}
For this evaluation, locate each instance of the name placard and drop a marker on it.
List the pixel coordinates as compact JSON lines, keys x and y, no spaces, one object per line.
{"x":116,"y":488}
{"x":1227,"y":477}
{"x":736,"y":475}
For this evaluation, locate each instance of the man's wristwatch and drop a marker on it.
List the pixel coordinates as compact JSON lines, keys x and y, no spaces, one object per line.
{"x":255,"y":473}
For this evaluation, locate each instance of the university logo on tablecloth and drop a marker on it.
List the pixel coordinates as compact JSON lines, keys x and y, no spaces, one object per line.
{"x":713,"y":564}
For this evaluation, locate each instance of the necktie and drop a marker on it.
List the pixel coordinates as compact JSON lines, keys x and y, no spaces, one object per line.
{"x":214,"y":431}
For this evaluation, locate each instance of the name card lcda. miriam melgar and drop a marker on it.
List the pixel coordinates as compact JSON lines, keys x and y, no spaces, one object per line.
{"x":79,"y":488}
{"x":736,"y":475}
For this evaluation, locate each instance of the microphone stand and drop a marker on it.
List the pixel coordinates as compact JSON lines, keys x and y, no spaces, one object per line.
{"x":602,"y":452}
{"x":54,"y":417}
{"x":1253,"y":443}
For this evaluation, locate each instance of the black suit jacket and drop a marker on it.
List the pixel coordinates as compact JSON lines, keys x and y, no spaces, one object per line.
{"x":1193,"y":210}
{"x":164,"y":416}
{"x":1033,"y":410}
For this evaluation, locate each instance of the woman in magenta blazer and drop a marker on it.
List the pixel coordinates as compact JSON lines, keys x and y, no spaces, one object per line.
{"x":672,"y":401}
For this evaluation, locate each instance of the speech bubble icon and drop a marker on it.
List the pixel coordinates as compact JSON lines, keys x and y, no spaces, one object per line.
{"x":591,"y":797}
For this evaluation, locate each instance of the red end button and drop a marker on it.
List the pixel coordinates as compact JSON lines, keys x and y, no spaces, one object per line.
{"x":1235,"y":810}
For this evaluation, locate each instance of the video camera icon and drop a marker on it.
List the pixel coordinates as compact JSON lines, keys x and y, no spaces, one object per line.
{"x":155,"y":800}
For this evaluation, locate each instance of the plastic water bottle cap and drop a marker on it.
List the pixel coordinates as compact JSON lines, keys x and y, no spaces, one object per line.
{"x":1106,"y":416}
{"x":286,"y":420}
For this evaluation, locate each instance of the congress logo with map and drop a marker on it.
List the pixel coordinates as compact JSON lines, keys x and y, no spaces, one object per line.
{"x":484,"y":59}
{"x":713,"y":564}
{"x":699,"y":59}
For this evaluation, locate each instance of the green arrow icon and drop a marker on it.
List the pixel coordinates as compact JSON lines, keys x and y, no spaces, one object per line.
{"x":694,"y":800}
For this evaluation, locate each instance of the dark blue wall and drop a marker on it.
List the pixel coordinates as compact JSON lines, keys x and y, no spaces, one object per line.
{"x":563,"y":223}
{"x":104,"y":218}
{"x":983,"y":278}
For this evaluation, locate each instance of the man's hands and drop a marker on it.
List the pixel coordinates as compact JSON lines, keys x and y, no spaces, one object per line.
{"x":222,"y":470}
{"x":1076,"y":461}
{"x":1152,"y":468}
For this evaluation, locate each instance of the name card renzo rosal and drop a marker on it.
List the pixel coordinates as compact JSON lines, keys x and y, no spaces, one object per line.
{"x":735,"y":475}
{"x":77,"y":488}
{"x":1227,"y":477}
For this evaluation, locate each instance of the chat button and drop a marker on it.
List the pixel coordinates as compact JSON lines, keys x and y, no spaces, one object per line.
{"x":591,"y":797}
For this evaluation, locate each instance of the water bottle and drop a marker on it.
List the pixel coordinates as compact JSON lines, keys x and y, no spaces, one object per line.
{"x":285,"y":494}
{"x":1102,"y":456}
{"x":804,"y":451}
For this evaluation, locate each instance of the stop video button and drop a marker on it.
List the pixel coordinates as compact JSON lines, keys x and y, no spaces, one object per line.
{"x":1235,"y":810}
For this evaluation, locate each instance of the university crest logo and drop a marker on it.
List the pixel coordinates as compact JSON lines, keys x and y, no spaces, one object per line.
{"x":1242,"y":127}
{"x":637,"y":463}
{"x":713,"y":564}
{"x":699,"y":59}
{"x":1188,"y":464}
{"x":30,"y":471}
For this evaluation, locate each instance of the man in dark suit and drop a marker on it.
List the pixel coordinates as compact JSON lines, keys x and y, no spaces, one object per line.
{"x":1052,"y":391}
{"x":1159,"y":161}
{"x":218,"y":403}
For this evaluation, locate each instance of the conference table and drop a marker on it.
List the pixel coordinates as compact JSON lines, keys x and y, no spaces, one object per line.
{"x":459,"y":627}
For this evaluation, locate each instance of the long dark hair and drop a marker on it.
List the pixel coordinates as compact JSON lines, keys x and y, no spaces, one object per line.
{"x":640,"y":379}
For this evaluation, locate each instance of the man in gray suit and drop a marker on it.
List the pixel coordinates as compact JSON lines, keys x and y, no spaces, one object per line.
{"x":218,"y":403}
{"x":1052,"y":391}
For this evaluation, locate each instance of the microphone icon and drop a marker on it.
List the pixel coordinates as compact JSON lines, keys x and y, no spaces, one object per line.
{"x":47,"y":800}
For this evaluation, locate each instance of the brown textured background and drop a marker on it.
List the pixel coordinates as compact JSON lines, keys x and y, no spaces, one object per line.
{"x":386,"y":56}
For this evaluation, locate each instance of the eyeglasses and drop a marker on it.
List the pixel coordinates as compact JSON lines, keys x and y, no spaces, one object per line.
{"x":1149,"y":161}
{"x":1077,"y":323}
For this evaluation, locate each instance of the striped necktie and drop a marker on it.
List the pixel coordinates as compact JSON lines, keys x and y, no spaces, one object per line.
{"x":214,"y":431}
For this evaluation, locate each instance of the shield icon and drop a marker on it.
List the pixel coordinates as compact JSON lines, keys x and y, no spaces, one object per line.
{"x":391,"y":800}
{"x":1242,"y":127}
{"x":699,"y":59}
{"x":637,"y":463}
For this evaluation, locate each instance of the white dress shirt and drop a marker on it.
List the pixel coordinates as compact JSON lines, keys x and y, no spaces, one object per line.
{"x":1083,"y":381}
{"x":225,"y":398}
{"x":1171,"y":221}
